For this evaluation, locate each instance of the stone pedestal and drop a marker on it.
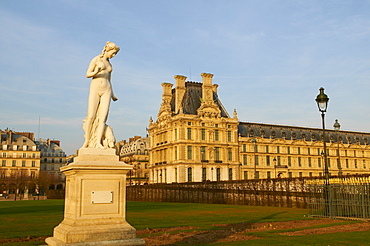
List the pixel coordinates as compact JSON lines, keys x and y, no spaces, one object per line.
{"x":95,"y":203}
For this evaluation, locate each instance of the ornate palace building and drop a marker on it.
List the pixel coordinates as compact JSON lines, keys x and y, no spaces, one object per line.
{"x":135,"y":152}
{"x":194,"y":139}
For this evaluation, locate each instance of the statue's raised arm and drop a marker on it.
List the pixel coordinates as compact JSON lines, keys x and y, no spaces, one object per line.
{"x":97,"y":133}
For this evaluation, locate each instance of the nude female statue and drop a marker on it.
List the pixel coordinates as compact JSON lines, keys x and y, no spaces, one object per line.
{"x":97,"y":133}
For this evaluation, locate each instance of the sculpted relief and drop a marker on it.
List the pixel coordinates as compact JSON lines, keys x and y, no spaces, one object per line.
{"x":97,"y":133}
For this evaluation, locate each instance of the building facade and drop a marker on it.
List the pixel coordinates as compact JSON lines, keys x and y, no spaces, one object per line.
{"x":272,"y":151}
{"x":52,"y":158}
{"x":135,"y":152}
{"x":195,"y":140}
{"x":20,"y":161}
{"x":29,"y":166}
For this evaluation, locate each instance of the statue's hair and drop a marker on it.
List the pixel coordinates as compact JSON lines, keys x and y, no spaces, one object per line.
{"x":109,"y":46}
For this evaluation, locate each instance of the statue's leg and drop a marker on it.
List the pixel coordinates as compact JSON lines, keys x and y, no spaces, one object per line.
{"x":103,"y":115}
{"x":94,"y":99}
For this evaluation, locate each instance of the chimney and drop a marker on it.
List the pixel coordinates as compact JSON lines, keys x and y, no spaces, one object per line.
{"x":180,"y":91}
{"x":207,"y":79}
{"x":207,"y":87}
{"x":167,"y":93}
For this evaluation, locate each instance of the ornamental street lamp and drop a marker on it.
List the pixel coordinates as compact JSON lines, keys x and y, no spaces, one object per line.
{"x":337,"y":128}
{"x":322,"y":103}
{"x":254,"y":141}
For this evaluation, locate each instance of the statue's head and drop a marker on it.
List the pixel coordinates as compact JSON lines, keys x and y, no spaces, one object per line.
{"x":108,"y":47}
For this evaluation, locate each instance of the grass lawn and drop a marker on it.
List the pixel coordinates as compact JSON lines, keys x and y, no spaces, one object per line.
{"x":22,"y":219}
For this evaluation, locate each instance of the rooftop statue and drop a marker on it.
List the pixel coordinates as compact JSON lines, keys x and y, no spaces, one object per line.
{"x":97,"y":133}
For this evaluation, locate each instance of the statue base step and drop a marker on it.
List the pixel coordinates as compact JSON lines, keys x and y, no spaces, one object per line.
{"x":52,"y":241}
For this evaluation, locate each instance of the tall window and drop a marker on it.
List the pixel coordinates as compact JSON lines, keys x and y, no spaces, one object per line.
{"x":33,"y":163}
{"x":204,"y":174}
{"x":278,"y":149}
{"x":176,"y":153}
{"x":309,"y":162}
{"x":288,"y":150}
{"x":23,"y":163}
{"x":175,"y":174}
{"x":218,"y":174}
{"x":267,"y":149}
{"x":190,"y":174}
{"x":217,"y":153}
{"x":268,"y":174}
{"x":229,"y":154}
{"x":3,"y":163}
{"x":245,"y":160}
{"x":189,"y":133}
{"x":203,"y":134}
{"x":299,"y":150}
{"x":175,"y":134}
{"x":216,"y":135}
{"x":257,"y":175}
{"x":289,"y":161}
{"x":203,"y":153}
{"x":245,"y":174}
{"x":230,"y":174}
{"x":229,"y":136}
{"x":299,"y":161}
{"x":256,"y":160}
{"x":319,"y":162}
{"x":244,"y":148}
{"x":14,"y":163}
{"x":267,"y":160}
{"x":190,"y":154}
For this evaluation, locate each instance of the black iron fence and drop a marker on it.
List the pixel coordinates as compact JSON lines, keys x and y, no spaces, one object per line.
{"x":287,"y":192}
{"x":346,"y":196}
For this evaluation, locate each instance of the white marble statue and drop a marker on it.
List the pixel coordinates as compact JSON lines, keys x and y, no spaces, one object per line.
{"x":97,"y":133}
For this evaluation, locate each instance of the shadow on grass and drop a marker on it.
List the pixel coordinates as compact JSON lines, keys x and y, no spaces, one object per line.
{"x":221,"y":232}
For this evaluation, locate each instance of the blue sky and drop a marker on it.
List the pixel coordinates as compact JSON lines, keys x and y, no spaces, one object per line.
{"x":269,"y":58}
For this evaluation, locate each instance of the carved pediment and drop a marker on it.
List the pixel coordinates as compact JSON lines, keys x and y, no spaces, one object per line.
{"x":209,"y":110}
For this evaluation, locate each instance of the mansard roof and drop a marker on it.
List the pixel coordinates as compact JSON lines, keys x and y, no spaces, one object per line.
{"x":15,"y":138}
{"x":192,"y":99}
{"x":248,"y":129}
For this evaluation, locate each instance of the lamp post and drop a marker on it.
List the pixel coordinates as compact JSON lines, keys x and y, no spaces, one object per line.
{"x":337,"y":128}
{"x":254,"y":141}
{"x":322,"y":103}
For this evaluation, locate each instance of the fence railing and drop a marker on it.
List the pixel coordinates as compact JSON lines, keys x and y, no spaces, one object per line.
{"x":345,"y":197}
{"x":288,"y":192}
{"x":345,"y":200}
